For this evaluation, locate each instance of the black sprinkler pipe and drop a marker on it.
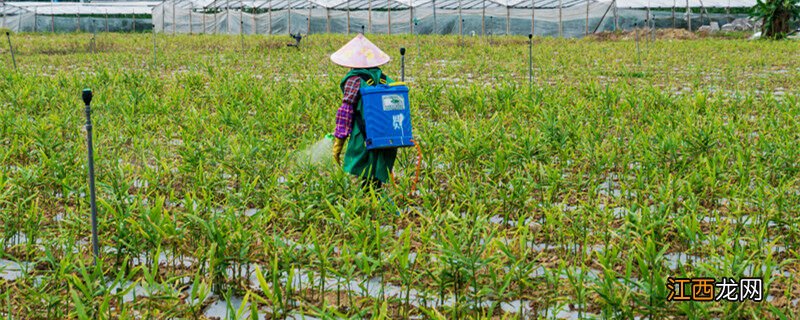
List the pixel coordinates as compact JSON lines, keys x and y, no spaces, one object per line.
{"x":87,"y":100}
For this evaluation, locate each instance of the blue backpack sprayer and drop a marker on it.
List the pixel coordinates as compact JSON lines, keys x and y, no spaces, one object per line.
{"x":387,"y":116}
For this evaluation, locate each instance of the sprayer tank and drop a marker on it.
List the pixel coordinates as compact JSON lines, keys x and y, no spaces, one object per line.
{"x":387,"y":116}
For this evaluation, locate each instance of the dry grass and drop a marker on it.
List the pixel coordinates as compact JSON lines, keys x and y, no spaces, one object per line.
{"x":663,"y":34}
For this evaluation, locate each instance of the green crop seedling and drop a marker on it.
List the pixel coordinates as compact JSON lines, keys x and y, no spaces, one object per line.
{"x":576,"y":196}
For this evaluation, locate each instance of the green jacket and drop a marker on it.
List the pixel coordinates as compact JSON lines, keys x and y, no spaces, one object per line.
{"x":369,"y":164}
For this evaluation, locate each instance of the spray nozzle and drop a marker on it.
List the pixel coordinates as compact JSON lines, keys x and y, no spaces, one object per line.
{"x":402,"y":51}
{"x":329,"y":136}
{"x":87,"y":96}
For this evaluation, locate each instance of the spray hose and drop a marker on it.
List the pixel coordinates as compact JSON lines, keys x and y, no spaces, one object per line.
{"x":418,"y":168}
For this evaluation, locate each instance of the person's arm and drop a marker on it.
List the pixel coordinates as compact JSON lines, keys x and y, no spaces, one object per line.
{"x":344,"y":116}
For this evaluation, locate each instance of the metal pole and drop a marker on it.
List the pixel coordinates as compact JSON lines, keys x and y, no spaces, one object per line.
{"x":35,"y":23}
{"x":107,"y":21}
{"x":728,"y":12}
{"x":673,"y":14}
{"x":638,"y":53}
{"x":603,"y":18}
{"x":703,"y":9}
{"x":369,"y":17}
{"x":560,"y":24}
{"x":434,"y":17}
{"x":256,"y":19}
{"x":289,"y":19}
{"x":191,"y":12}
{"x":702,"y":20}
{"x":389,"y":14}
{"x":155,"y":62}
{"x":689,"y":16}
{"x":533,"y":16}
{"x":508,"y":20}
{"x":204,"y":21}
{"x":348,"y":16}
{"x":483,"y":19}
{"x":11,"y":48}
{"x":460,"y":20}
{"x":653,"y":31}
{"x":587,"y":17}
{"x":87,"y":100}
{"x":411,"y":18}
{"x":174,"y":21}
{"x":269,"y":13}
{"x":530,"y":63}
{"x":616,"y":17}
{"x":328,"y":20}
{"x":134,"y":23}
{"x":308,"y":21}
{"x":647,"y":22}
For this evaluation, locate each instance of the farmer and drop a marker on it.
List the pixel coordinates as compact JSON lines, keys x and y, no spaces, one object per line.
{"x":363,"y":59}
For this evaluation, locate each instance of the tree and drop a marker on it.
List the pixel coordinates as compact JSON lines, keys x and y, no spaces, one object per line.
{"x":776,"y":16}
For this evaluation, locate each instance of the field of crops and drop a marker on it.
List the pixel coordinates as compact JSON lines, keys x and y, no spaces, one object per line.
{"x":576,"y":196}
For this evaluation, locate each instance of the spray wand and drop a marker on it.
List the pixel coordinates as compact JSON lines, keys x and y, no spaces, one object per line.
{"x":419,"y":150}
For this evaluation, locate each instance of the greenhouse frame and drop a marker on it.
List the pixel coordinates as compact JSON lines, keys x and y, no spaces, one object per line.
{"x":561,"y":18}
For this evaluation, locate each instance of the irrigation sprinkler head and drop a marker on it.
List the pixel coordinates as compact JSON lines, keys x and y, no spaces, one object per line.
{"x":87,"y":96}
{"x":403,"y":64}
{"x":530,"y":36}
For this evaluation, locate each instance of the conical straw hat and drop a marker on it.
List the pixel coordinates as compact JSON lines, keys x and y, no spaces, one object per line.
{"x":360,"y":53}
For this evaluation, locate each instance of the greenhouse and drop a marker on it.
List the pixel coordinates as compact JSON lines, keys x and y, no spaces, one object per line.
{"x":110,"y":16}
{"x":564,"y":18}
{"x":560,"y":18}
